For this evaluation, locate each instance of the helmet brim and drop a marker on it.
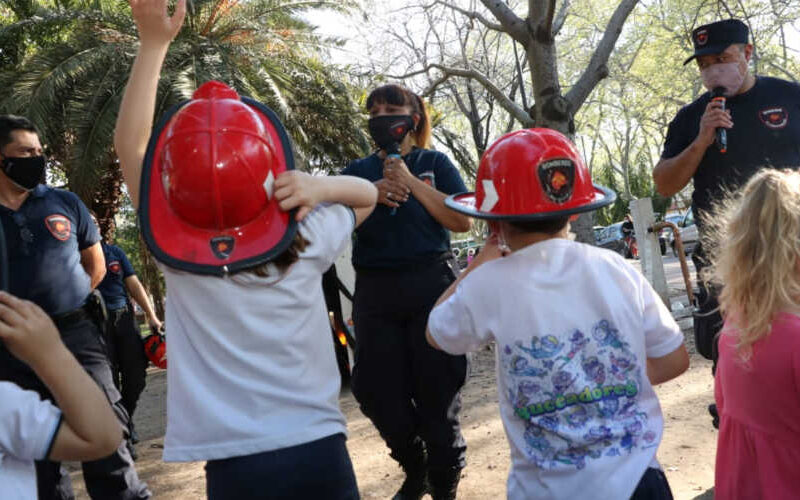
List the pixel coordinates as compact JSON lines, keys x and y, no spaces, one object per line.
{"x":465,"y":203}
{"x":184,"y":247}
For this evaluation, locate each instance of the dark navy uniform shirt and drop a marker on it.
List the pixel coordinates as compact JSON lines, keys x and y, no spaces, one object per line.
{"x":45,"y":238}
{"x":118,"y":267}
{"x":765,"y":133}
{"x":411,"y":235}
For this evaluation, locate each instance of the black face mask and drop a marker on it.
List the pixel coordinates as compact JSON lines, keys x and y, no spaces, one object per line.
{"x":26,"y":172}
{"x":388,"y":131}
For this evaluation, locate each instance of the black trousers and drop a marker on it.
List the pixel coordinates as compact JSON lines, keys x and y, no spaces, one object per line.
{"x":128,"y":360}
{"x":652,"y":486}
{"x":319,"y":469}
{"x":113,"y":477}
{"x":707,"y":318}
{"x":408,"y":389}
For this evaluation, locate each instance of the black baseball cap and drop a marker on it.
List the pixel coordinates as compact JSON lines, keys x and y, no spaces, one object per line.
{"x":714,"y":38}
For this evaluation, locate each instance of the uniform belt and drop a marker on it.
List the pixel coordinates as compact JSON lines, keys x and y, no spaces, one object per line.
{"x":70,"y":318}
{"x":404,"y":267}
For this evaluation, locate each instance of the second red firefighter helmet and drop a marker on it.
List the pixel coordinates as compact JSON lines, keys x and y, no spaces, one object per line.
{"x":531,"y":174}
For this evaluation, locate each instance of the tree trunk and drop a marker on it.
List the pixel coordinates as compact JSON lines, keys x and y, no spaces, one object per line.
{"x":106,"y":200}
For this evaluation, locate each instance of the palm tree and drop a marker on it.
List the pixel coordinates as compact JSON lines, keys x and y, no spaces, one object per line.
{"x":67,"y":64}
{"x":64,"y":65}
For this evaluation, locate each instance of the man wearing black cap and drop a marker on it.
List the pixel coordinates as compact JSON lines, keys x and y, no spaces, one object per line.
{"x":761,"y":117}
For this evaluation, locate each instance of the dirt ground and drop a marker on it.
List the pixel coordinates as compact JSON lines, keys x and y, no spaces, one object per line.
{"x":686,"y":452}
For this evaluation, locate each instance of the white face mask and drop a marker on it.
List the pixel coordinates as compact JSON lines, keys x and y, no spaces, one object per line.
{"x":725,"y":75}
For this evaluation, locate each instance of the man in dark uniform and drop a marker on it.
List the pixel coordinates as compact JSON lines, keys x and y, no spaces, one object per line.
{"x":125,"y":345}
{"x":761,"y":117}
{"x":55,"y":260}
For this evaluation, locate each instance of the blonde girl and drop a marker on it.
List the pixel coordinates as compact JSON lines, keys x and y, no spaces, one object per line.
{"x":755,"y":250}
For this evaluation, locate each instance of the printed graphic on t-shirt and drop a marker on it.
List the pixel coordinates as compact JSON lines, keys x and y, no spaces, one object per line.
{"x":577,"y":396}
{"x":774,"y":118}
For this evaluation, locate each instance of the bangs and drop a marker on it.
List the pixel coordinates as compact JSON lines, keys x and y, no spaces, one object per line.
{"x":389,"y":94}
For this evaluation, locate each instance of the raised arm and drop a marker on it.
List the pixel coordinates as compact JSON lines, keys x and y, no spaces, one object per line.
{"x":135,"y":119}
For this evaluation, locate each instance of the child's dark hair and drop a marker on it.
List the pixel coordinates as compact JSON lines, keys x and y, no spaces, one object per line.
{"x":285,"y":259}
{"x":547,"y":226}
{"x":398,"y":95}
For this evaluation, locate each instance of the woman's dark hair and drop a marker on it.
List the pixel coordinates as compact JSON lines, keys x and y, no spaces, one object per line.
{"x":548,"y":226}
{"x":285,"y":259}
{"x":398,"y":95}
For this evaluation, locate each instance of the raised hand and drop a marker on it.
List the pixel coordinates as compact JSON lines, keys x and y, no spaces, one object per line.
{"x":155,"y":25}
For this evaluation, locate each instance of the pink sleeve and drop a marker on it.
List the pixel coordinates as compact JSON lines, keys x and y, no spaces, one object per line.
{"x":718,"y":387}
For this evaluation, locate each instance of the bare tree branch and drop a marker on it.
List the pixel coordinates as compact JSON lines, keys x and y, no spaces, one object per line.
{"x":598,"y":68}
{"x":561,"y":18}
{"x":512,"y":23}
{"x":510,"y":106}
{"x":477,"y":16}
{"x":548,"y":22}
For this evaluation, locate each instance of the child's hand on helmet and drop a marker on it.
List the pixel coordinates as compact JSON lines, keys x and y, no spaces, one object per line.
{"x":153,"y":22}
{"x":295,"y":189}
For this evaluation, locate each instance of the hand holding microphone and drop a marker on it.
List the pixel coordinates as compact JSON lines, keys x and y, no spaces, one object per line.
{"x":715,"y":122}
{"x":718,"y":95}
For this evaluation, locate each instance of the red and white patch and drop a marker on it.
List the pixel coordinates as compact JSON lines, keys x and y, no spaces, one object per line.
{"x":774,"y":118}
{"x":701,"y":37}
{"x":114,"y":266}
{"x":428,"y":178}
{"x":59,"y":226}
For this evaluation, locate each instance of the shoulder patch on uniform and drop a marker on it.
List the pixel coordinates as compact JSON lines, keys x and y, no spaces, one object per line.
{"x":59,"y":226}
{"x":774,"y":118}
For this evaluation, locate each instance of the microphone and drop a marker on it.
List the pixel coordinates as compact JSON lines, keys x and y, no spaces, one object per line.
{"x":393,"y":151}
{"x":718,"y":94}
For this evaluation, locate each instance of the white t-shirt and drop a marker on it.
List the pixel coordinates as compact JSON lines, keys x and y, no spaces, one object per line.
{"x":574,"y":325}
{"x":28,"y":426}
{"x":251,"y":360}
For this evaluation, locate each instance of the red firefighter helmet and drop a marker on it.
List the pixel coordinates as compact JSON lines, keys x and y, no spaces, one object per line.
{"x":155,"y":348}
{"x":207,"y":203}
{"x":531,"y":174}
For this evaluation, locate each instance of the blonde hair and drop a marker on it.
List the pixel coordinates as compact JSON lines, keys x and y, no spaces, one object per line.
{"x":753,"y":242}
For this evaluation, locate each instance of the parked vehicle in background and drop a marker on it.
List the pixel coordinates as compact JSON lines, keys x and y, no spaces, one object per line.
{"x":611,"y":237}
{"x":598,"y":233}
{"x":688,"y":232}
